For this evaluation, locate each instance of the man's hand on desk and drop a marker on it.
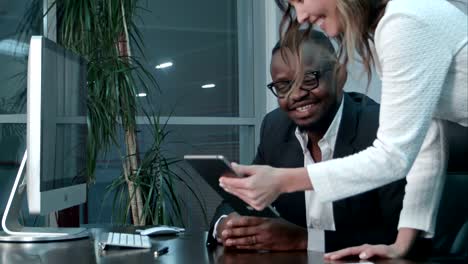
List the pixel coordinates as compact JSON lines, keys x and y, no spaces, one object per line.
{"x":247,"y":232}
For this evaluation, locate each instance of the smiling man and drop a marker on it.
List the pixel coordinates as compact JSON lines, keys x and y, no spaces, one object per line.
{"x":315,"y":121}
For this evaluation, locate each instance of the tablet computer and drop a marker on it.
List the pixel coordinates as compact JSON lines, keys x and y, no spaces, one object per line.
{"x":210,"y":168}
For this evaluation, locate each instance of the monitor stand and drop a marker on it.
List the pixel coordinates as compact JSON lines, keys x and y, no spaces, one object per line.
{"x":13,"y":231}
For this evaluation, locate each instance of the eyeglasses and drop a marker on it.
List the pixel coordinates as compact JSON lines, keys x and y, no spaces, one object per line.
{"x":282,"y":88}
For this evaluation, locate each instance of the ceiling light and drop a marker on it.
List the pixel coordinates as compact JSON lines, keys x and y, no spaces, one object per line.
{"x":164,"y":65}
{"x":210,"y":85}
{"x":141,"y":95}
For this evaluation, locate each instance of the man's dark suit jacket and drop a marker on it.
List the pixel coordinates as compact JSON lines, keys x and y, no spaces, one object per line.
{"x":371,"y":217}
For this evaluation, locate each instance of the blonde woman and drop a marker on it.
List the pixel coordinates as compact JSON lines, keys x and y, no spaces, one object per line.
{"x":419,"y":49}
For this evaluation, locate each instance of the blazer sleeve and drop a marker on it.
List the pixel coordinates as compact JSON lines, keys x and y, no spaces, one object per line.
{"x":223,"y":209}
{"x":260,"y":155}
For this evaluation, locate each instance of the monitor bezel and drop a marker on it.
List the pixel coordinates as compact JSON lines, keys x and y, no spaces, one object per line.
{"x":43,"y":202}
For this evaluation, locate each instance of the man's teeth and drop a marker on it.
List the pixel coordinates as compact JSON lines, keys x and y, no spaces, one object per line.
{"x":303,"y":108}
{"x":319,"y":22}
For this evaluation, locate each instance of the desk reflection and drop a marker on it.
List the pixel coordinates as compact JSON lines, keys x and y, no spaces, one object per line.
{"x":231,"y":256}
{"x":185,"y":248}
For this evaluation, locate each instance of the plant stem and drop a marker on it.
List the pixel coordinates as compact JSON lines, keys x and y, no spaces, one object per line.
{"x":133,"y":164}
{"x":131,"y":160}
{"x":131,"y":192}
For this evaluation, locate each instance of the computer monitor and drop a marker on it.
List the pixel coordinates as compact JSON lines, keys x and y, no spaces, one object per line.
{"x":56,"y":142}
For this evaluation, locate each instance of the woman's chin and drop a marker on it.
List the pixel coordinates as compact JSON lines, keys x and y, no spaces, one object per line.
{"x":331,"y":30}
{"x":331,"y":33}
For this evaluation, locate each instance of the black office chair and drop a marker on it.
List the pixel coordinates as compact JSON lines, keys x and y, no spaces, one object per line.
{"x":451,"y":235}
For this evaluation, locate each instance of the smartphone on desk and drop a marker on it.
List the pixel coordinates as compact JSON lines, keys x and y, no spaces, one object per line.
{"x":211,"y":168}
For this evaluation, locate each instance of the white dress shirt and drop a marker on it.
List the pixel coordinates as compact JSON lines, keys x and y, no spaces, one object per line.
{"x":319,"y":214}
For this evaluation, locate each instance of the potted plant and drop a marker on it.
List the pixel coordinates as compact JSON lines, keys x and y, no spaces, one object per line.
{"x":104,"y":32}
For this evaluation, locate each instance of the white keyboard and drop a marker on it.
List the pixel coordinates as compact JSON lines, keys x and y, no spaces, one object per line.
{"x":125,"y":240}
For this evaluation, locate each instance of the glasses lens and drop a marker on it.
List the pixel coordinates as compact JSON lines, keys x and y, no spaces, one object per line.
{"x":281,"y":88}
{"x":310,"y":80}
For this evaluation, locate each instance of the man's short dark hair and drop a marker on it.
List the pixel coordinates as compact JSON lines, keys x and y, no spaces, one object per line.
{"x":317,"y":37}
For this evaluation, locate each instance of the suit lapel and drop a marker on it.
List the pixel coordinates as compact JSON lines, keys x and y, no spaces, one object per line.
{"x":290,"y":150}
{"x":347,"y":130}
{"x":344,"y":147}
{"x":292,"y":154}
{"x":289,"y":154}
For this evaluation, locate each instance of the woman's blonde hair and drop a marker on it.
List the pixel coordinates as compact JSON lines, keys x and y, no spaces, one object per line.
{"x":358,"y":19}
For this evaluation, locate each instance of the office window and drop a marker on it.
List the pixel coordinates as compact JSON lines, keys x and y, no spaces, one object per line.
{"x":13,"y":68}
{"x":212,"y":95}
{"x":13,"y":53}
{"x":12,"y":138}
{"x":193,"y":49}
{"x":204,"y":56}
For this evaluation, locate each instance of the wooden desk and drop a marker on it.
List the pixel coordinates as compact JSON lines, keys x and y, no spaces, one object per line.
{"x":185,"y":248}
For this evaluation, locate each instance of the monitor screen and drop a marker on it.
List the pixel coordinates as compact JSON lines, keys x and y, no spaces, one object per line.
{"x":56,"y":127}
